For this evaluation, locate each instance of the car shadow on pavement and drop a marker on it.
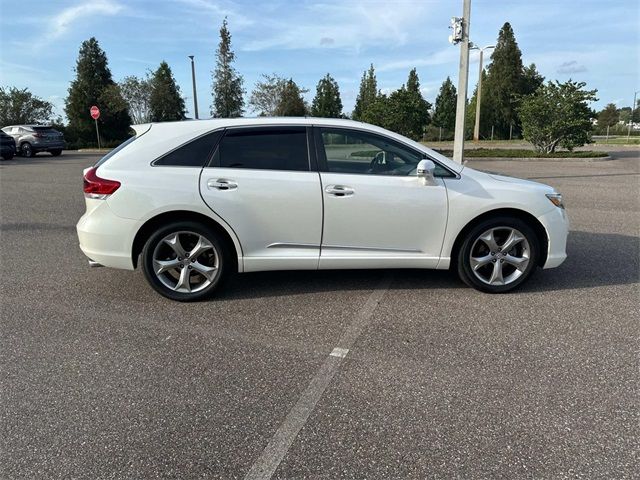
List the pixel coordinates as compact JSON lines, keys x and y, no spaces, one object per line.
{"x":594,"y":260}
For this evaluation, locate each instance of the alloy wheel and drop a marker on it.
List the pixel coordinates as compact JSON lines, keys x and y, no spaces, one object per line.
{"x":500,"y":256}
{"x":186,"y":262}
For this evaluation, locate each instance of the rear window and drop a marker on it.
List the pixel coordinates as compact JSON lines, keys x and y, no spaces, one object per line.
{"x":193,"y":154}
{"x":116,"y":150}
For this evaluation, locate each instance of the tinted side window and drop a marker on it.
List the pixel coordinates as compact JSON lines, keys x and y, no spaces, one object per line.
{"x":193,"y":154}
{"x":265,"y":149}
{"x":351,"y":151}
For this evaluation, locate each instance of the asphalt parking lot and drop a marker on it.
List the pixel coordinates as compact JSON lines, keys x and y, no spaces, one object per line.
{"x":102,"y":378}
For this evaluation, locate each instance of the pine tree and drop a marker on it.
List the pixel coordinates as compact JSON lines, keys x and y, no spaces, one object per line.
{"x":291,"y":103}
{"x":228,"y":93}
{"x":327,"y":102}
{"x":609,"y":116}
{"x":367,"y":94}
{"x":166,"y":103}
{"x":504,"y":84}
{"x":94,"y":85}
{"x":445,"y":110}
{"x":411,"y":108}
{"x":531,"y":80}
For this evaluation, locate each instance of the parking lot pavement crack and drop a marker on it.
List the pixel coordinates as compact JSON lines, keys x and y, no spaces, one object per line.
{"x":265,"y":466}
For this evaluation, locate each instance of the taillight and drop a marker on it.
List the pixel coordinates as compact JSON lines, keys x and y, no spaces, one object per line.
{"x":96,"y":187}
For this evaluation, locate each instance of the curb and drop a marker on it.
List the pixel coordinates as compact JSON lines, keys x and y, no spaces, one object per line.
{"x":539,"y":159}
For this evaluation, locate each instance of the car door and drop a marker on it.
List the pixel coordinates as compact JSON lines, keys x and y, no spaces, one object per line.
{"x":377,"y":213}
{"x":262,"y":184}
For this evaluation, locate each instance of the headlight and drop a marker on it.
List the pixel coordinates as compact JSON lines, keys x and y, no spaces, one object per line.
{"x":556,"y":199}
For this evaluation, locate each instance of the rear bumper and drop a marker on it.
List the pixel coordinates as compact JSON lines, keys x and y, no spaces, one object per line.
{"x":45,"y":147}
{"x":556,"y":223}
{"x":105,"y":238}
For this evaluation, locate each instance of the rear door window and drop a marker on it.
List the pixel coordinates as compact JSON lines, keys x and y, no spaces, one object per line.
{"x":264,"y":148}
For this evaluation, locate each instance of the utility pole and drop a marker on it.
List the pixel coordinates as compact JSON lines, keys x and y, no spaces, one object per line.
{"x":463,"y":80}
{"x":633,"y":108}
{"x":476,"y":128}
{"x":193,"y":80}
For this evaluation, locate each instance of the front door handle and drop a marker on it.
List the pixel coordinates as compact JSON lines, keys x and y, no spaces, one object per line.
{"x":339,"y":190}
{"x":222,"y":184}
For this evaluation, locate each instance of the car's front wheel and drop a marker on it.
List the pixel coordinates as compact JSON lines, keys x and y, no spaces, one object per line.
{"x":184,"y":261}
{"x":498,"y":254}
{"x":7,"y":156}
{"x":56,"y":152}
{"x":27,"y":150}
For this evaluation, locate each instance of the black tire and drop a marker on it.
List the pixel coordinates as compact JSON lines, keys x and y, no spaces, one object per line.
{"x":56,"y":153}
{"x":222,"y":253}
{"x":7,"y":156}
{"x":463,"y":260}
{"x":26,"y":150}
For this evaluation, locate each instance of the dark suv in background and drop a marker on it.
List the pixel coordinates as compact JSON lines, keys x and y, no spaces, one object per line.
{"x":7,"y":146}
{"x":31,"y":139}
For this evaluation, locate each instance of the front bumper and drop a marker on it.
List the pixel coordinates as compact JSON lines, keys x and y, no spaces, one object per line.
{"x":46,"y":146}
{"x":104,"y":237}
{"x":556,"y":223}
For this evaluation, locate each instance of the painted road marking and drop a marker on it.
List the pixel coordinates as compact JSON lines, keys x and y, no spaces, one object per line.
{"x":339,"y":352}
{"x":265,"y":466}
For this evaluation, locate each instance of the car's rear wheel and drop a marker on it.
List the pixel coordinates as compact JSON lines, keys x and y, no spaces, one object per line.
{"x":26,"y":150}
{"x":498,"y":255}
{"x":56,"y":152}
{"x":7,"y":156}
{"x":185,"y":261}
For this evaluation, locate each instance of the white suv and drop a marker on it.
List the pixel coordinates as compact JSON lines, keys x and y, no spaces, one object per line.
{"x":194,"y":201}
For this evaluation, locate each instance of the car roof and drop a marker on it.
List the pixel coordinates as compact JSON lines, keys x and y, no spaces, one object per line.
{"x":197,"y":127}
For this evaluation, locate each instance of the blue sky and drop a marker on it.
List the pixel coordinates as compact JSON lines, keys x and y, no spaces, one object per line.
{"x":587,"y":40}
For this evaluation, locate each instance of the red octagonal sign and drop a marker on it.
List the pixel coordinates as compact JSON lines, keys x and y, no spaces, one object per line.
{"x":95,"y":112}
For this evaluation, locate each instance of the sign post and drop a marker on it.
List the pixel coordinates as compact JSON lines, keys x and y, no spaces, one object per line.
{"x":95,"y":114}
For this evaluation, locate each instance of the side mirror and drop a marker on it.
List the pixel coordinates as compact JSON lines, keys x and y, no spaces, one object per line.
{"x":425,"y":171}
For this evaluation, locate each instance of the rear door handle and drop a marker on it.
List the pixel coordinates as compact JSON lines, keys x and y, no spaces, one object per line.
{"x":339,"y":190}
{"x":222,"y":184}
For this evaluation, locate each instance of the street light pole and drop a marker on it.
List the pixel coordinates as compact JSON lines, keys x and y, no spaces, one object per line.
{"x":463,"y":81}
{"x":633,"y":107}
{"x":476,"y":128}
{"x":193,"y":79}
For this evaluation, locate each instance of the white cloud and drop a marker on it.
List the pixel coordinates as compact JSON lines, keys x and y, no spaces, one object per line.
{"x":66,"y":18}
{"x":235,"y":18}
{"x":349,"y":24}
{"x":447,"y":55}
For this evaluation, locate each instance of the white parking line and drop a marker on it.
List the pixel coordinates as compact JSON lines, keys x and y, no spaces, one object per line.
{"x":265,"y":465}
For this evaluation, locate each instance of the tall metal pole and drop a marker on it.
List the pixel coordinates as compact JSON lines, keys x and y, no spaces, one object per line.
{"x":633,"y":107}
{"x":463,"y":80}
{"x":476,"y":127}
{"x":193,"y":80}
{"x":97,"y":132}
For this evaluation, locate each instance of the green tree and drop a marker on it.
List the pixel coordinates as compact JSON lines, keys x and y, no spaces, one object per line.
{"x":94,"y":85}
{"x":228,"y":92}
{"x":557,"y":114}
{"x":503,"y":85}
{"x":20,"y":106}
{"x":445,"y":109}
{"x":409,"y":112}
{"x":165,"y":102}
{"x":531,"y":80}
{"x":609,"y":116}
{"x":291,"y":103}
{"x":266,"y":95}
{"x":367,"y":95}
{"x":327,"y":102}
{"x":136,"y":92}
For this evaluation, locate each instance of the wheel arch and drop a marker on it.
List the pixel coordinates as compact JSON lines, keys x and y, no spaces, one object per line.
{"x":151,"y":225}
{"x":536,"y":225}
